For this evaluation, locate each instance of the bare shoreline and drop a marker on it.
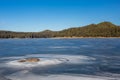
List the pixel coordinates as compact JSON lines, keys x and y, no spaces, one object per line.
{"x":61,"y":38}
{"x":80,"y":37}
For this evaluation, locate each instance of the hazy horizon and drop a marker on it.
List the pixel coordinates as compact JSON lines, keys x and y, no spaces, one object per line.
{"x":56,"y":15}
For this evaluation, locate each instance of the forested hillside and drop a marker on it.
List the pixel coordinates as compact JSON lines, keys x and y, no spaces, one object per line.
{"x":104,"y":29}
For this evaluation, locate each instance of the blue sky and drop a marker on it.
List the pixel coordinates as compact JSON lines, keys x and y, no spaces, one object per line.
{"x":38,"y":15}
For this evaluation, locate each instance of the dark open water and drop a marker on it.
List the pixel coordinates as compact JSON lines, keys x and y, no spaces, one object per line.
{"x":61,"y":59}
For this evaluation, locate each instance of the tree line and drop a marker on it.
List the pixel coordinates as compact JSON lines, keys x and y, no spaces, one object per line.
{"x":103,"y":29}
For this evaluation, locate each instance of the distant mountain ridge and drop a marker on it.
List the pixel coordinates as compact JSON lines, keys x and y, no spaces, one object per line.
{"x":103,"y":29}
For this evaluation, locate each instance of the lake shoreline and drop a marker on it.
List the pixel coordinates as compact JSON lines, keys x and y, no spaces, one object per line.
{"x":61,"y":38}
{"x":80,"y":37}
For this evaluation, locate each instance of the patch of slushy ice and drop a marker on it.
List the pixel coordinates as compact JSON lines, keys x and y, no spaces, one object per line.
{"x":24,"y":75}
{"x":48,"y":59}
